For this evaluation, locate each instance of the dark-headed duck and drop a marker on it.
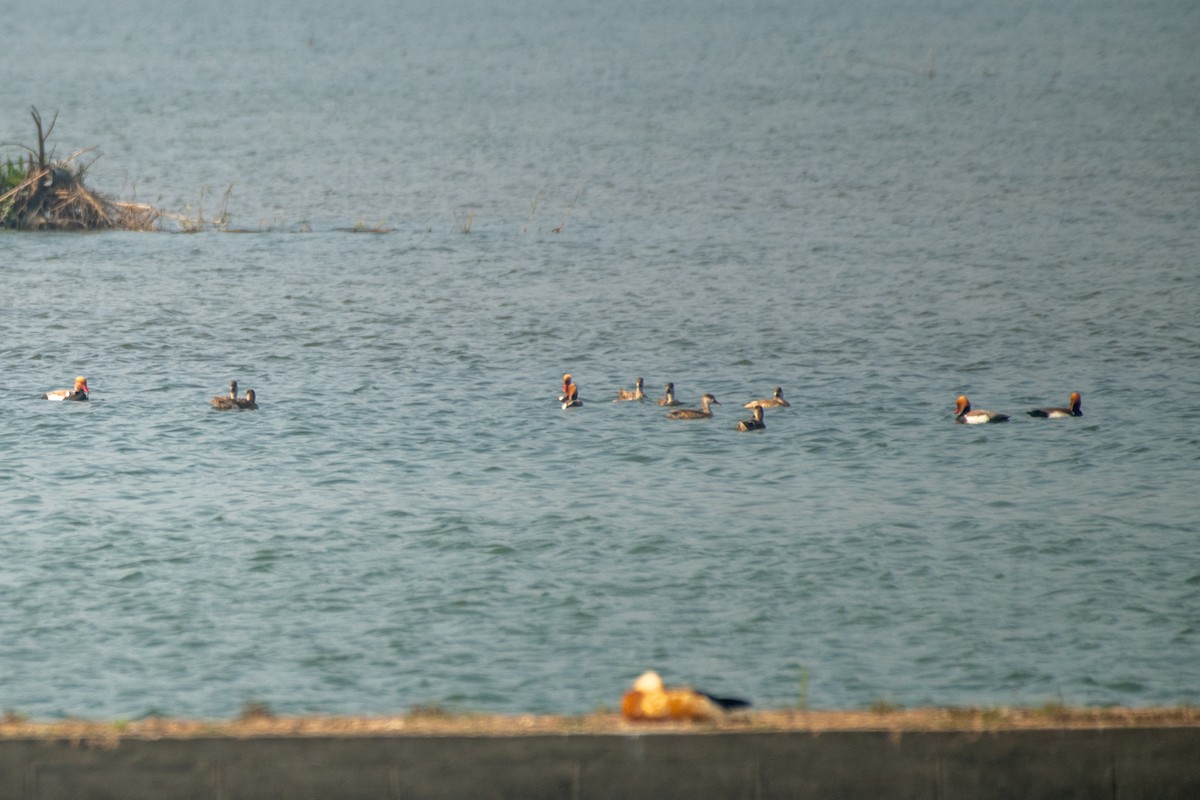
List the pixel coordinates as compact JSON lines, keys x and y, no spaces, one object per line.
{"x":704,"y":412}
{"x":755,"y":424}
{"x":963,"y":413}
{"x":1073,"y":409}
{"x":79,"y":392}
{"x":668,"y":398}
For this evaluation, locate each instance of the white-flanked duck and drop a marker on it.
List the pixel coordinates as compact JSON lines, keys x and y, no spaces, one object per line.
{"x":774,"y":401}
{"x":650,"y":700}
{"x":755,"y":424}
{"x":636,"y":394}
{"x":78,"y":393}
{"x":704,"y":412}
{"x":1073,"y":409}
{"x":668,"y":398}
{"x":570,"y":394}
{"x":963,"y":413}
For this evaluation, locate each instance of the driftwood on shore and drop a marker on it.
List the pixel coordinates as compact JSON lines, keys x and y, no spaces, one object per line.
{"x":40,"y":194}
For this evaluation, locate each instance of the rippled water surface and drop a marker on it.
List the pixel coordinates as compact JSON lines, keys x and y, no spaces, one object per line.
{"x":877,"y":207}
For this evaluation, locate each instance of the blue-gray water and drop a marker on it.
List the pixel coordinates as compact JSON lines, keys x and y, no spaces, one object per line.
{"x":878,"y":206}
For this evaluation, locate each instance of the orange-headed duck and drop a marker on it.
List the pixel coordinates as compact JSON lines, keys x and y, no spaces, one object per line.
{"x":774,"y":401}
{"x":570,"y":394}
{"x":636,"y":394}
{"x":963,"y":413}
{"x":755,"y":424}
{"x":650,"y":700}
{"x":1073,"y":409}
{"x":668,"y":398}
{"x":704,"y":412}
{"x":80,"y":392}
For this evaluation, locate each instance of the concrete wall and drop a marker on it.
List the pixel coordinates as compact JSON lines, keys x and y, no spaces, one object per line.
{"x":1158,"y":763}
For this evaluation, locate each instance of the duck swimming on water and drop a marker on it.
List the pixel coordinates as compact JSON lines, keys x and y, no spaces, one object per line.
{"x":704,"y":412}
{"x":78,"y":393}
{"x":231,"y":402}
{"x":1074,"y":409}
{"x":774,"y":401}
{"x":755,"y":424}
{"x":226,"y":401}
{"x":963,"y":413}
{"x":636,"y":394}
{"x":570,"y":394}
{"x":248,"y":403}
{"x":668,"y":398}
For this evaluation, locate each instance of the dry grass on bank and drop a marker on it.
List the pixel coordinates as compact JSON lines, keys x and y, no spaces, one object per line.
{"x":257,"y":721}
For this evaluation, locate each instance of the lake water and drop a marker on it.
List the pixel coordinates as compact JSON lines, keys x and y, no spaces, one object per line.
{"x":876,"y":206}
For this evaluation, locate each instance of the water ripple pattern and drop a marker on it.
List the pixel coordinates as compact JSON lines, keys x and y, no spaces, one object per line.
{"x":875,"y":210}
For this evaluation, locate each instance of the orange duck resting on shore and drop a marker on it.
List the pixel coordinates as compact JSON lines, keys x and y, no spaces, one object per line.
{"x":650,"y":700}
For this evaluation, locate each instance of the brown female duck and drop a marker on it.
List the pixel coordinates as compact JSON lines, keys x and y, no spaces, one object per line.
{"x":704,"y":412}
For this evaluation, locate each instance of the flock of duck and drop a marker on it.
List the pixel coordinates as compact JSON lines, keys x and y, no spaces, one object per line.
{"x":569,"y":398}
{"x":226,"y":402}
{"x":963,"y":412}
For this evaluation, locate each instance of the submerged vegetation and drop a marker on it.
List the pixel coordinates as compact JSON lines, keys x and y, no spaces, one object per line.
{"x":37,"y":193}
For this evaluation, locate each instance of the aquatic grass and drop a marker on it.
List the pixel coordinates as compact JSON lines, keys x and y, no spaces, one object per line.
{"x":884,"y":706}
{"x":363,"y":227}
{"x":220,"y":222}
{"x":567,"y":214}
{"x":1055,"y":709}
{"x":802,"y":690}
{"x":12,"y":717}
{"x":532,"y":210}
{"x":255,"y":710}
{"x":432,"y":710}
